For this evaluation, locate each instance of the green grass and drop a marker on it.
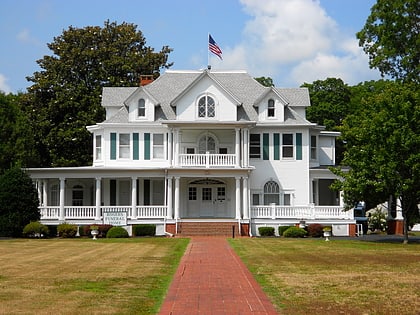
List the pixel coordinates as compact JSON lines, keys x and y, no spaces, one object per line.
{"x":338,"y":277}
{"x":107,"y":276}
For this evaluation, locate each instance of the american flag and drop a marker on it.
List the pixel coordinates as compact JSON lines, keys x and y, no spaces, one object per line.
{"x":214,"y":48}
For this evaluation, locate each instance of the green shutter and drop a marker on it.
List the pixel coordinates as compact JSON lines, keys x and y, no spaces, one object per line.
{"x":135,"y":146}
{"x":147,"y":146}
{"x":276,"y":138}
{"x":113,"y":146}
{"x":298,"y":146}
{"x":266,"y":145}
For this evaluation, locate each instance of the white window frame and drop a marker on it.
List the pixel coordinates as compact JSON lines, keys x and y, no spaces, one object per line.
{"x":155,"y":147}
{"x":142,"y":102}
{"x":124,"y":149}
{"x":98,"y":147}
{"x":287,"y":146}
{"x":271,"y":110}
{"x":314,"y":149}
{"x":205,"y":114}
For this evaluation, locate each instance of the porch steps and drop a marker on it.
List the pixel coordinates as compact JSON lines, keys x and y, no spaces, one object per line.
{"x":207,"y":229}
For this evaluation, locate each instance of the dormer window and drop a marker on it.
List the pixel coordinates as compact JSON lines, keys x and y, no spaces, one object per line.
{"x":206,"y":107}
{"x":141,"y":110}
{"x":271,"y":108}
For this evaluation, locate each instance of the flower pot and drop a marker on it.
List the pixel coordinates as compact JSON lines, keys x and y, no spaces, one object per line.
{"x":94,"y":233}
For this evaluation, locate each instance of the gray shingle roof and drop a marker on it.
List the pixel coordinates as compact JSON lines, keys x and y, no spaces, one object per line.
{"x":115,"y":96}
{"x":120,"y":117}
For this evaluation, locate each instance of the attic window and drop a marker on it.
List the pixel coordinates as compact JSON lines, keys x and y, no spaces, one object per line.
{"x":141,"y":108}
{"x":270,"y":108}
{"x":206,"y":107}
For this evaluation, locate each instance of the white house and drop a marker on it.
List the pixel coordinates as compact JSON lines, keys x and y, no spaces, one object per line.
{"x":205,"y":150}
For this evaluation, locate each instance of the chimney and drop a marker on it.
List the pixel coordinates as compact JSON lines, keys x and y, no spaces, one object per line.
{"x":146,"y":79}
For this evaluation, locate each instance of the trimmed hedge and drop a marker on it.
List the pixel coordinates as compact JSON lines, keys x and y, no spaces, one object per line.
{"x":294,"y":231}
{"x":117,"y":232}
{"x":66,"y":230}
{"x":283,"y":228}
{"x":266,"y":231}
{"x":315,"y":230}
{"x":35,"y":229}
{"x":144,"y":230}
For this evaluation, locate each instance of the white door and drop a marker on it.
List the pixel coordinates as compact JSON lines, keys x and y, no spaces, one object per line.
{"x":207,"y":202}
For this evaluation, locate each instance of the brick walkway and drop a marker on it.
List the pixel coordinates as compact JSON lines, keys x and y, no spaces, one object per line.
{"x":211,"y":279}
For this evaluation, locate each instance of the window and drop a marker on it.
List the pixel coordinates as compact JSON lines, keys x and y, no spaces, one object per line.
{"x":271,"y":193}
{"x":271,"y":108}
{"x":141,"y":110}
{"x":223,"y":150}
{"x":206,"y":107}
{"x":287,"y":145}
{"x":313,"y":148}
{"x":254,"y":146}
{"x":207,"y":144}
{"x":192,"y":193}
{"x":190,"y":150}
{"x":255,"y":199}
{"x":124,"y":146}
{"x":77,"y":196}
{"x":221,"y":193}
{"x":206,"y":194}
{"x":286,"y":200}
{"x":98,"y":147}
{"x":158,"y":152}
{"x":55,"y":195}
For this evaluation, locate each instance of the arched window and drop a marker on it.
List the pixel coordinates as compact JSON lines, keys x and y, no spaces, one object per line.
{"x":206,"y":107}
{"x":271,"y":193}
{"x":207,"y":144}
{"x":141,"y":110}
{"x":77,"y":196}
{"x":271,"y":108}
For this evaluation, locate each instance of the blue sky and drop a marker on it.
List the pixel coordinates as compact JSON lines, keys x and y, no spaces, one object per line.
{"x":291,"y":41}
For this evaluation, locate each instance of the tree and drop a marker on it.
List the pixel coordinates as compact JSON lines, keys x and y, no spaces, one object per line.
{"x":390,"y":37}
{"x":383,"y":150}
{"x":266,"y":81}
{"x":18,"y":202}
{"x":16,"y":142}
{"x":65,"y":95}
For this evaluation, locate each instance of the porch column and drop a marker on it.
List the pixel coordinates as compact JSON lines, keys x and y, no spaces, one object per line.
{"x":237,"y":147}
{"x":238,"y":197}
{"x":176,"y":197}
{"x":176,"y":153}
{"x":169,"y":214}
{"x":399,"y":215}
{"x":98,"y":186}
{"x":62,"y":196}
{"x":133,"y":197}
{"x":170,"y":147}
{"x":341,"y":194}
{"x":44,"y":193}
{"x":39,"y":190}
{"x":245,"y":154}
{"x":245,"y":197}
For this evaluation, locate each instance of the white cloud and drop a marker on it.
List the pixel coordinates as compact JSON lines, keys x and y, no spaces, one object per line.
{"x":25,"y":37}
{"x":4,"y":87}
{"x":295,"y":41}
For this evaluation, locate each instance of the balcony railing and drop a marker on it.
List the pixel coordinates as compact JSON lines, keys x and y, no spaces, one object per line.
{"x":300,"y":212}
{"x":207,"y":160}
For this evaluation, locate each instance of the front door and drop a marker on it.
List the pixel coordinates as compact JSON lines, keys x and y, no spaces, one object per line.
{"x":207,"y":199}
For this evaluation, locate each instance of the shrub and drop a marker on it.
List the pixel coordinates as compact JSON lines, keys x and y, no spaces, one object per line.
{"x":315,"y":230}
{"x":35,"y":229}
{"x":66,"y":230}
{"x":377,"y":220}
{"x":294,"y":231}
{"x":117,"y":232}
{"x":266,"y":231}
{"x":144,"y":230}
{"x":283,"y":228}
{"x":53,"y":230}
{"x":102,"y":229}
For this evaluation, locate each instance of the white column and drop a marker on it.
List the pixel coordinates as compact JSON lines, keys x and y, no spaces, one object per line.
{"x":246,"y":148}
{"x":169,"y":199}
{"x":238,"y":197}
{"x":98,"y":186}
{"x":45,"y":193}
{"x":62,"y":196}
{"x":170,"y":147}
{"x":237,"y":147}
{"x":390,"y":217}
{"x":176,"y":153}
{"x":399,"y":215}
{"x":133,"y":197}
{"x":39,"y":190}
{"x":341,"y":194}
{"x":245,"y":197}
{"x":176,"y":197}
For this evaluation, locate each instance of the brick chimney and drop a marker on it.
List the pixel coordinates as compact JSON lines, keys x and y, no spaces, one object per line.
{"x":146,"y":79}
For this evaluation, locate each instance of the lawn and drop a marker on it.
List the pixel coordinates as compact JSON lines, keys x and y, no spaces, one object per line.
{"x":63,"y":276}
{"x":312,"y":276}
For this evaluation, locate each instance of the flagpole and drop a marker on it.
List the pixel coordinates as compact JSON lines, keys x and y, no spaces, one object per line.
{"x":208,"y":52}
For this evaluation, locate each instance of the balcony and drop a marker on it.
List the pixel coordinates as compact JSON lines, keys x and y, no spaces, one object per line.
{"x":207,"y":160}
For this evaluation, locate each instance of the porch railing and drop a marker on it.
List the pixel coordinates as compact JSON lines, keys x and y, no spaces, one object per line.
{"x":300,"y":212}
{"x":207,"y":160}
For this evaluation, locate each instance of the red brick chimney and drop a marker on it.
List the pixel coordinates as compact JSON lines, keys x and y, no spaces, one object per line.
{"x":146,"y":79}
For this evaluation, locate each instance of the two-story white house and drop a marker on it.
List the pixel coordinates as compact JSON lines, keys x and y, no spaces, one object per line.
{"x":200,"y":149}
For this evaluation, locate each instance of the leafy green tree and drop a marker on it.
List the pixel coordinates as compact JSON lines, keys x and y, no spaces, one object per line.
{"x":65,"y":95}
{"x":383,"y":150}
{"x":18,"y":202}
{"x":16,"y":141}
{"x":391,"y":38}
{"x":266,"y":81}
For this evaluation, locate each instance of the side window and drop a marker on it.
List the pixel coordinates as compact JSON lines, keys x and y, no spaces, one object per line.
{"x":271,"y":108}
{"x":98,"y":147}
{"x":287,"y":145}
{"x":158,"y":152}
{"x":124,"y":146}
{"x":206,"y":107}
{"x":313,"y":148}
{"x":141,"y":110}
{"x":271,"y":193}
{"x":77,"y":196}
{"x":254,"y":146}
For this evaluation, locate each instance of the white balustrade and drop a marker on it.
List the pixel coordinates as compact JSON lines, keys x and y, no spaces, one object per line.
{"x":207,"y":160}
{"x":151,"y":211}
{"x":50,"y":212}
{"x":81,"y":212}
{"x":300,"y":212}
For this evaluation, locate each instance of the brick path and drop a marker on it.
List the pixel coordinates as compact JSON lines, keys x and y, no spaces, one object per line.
{"x":211,"y":279}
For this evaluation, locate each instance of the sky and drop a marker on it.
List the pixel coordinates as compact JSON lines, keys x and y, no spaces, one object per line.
{"x":291,"y":41}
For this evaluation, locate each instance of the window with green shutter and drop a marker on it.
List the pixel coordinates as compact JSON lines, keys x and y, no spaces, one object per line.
{"x":135,"y":146}
{"x":147,"y":146}
{"x":298,"y":146}
{"x":266,"y":144}
{"x":113,"y":146}
{"x":276,"y":140}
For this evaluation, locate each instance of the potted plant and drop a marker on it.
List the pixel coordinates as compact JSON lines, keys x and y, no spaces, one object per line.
{"x":94,"y":230}
{"x":327,"y":232}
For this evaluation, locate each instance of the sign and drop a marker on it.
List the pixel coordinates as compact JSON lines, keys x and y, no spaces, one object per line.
{"x":115,"y":218}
